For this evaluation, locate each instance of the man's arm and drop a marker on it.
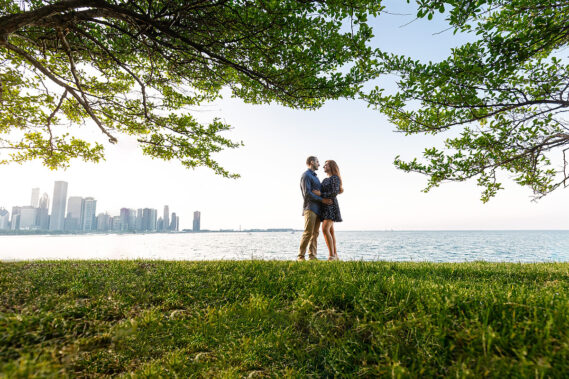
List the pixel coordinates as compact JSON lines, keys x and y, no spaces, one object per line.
{"x":306,"y":185}
{"x":307,"y":189}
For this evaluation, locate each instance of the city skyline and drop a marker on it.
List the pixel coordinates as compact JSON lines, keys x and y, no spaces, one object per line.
{"x":79,"y":214}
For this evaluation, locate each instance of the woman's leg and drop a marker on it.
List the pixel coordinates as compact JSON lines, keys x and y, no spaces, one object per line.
{"x":326,"y":224}
{"x":334,"y":240}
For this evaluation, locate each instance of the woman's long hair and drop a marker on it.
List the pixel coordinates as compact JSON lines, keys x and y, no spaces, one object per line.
{"x":335,"y":170}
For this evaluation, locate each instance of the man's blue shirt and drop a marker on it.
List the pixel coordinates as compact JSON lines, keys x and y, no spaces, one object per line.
{"x":308,"y":182}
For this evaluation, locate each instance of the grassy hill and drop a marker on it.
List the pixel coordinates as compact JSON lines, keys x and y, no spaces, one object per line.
{"x":278,"y":319}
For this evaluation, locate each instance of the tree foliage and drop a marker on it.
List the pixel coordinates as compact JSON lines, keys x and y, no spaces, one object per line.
{"x":139,"y":67}
{"x":505,"y":95}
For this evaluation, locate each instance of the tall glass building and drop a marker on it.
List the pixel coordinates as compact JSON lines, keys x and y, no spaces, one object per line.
{"x":166,"y":219}
{"x":57,"y":219}
{"x":35,"y":201}
{"x":197,"y":221}
{"x":75,"y":213}
{"x":89,"y":218}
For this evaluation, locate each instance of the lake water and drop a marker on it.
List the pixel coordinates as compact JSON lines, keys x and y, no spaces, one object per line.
{"x":434,"y":246}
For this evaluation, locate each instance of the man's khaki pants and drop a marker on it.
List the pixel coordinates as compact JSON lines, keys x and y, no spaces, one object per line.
{"x":310,"y":235}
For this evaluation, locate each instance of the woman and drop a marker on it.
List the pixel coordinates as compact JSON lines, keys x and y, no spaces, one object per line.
{"x":331,"y":186}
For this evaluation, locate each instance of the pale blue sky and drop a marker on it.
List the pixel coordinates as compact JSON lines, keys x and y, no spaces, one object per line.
{"x":277,"y":142}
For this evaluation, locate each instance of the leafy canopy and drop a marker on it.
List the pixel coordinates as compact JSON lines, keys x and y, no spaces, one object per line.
{"x":505,"y":95}
{"x":139,"y":67}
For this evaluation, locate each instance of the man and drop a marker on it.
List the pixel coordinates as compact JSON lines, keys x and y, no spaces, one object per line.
{"x":311,"y":209}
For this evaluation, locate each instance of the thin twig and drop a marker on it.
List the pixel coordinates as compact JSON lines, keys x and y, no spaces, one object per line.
{"x":50,"y":118}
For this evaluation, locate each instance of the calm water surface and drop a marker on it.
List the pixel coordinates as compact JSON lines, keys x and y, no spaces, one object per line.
{"x":439,"y":246}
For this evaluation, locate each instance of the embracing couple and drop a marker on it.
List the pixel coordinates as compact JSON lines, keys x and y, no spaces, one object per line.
{"x":320,"y":206}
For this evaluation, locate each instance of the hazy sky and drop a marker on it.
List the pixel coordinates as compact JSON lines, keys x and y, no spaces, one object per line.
{"x":277,"y":142}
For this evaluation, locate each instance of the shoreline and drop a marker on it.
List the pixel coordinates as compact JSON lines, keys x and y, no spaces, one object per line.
{"x":45,"y":233}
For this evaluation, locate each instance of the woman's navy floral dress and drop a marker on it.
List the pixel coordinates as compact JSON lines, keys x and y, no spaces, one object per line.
{"x":330,"y":188}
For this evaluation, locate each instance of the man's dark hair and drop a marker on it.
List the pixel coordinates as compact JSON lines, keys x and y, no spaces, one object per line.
{"x":309,"y":160}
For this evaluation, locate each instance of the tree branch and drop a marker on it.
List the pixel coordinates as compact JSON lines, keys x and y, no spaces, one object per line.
{"x":50,"y":118}
{"x":121,"y":64}
{"x":57,"y":81}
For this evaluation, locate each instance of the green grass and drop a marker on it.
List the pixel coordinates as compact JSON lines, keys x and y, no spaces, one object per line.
{"x":283,"y":319}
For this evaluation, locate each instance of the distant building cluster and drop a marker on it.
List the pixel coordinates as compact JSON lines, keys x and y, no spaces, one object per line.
{"x":79,"y":214}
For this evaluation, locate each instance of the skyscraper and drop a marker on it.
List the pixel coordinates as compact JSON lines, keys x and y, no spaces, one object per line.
{"x":197,"y":221}
{"x":138,"y":222}
{"x":28,"y":218}
{"x":116,"y":224}
{"x":57,"y":218}
{"x":15,"y":223}
{"x":75,"y":213}
{"x":43,"y":212}
{"x":128,"y":219}
{"x":166,"y":219}
{"x":173,"y":221}
{"x":132,"y":219}
{"x":89,"y":220}
{"x":4,"y":219}
{"x":103,"y":222}
{"x":35,"y":197}
{"x":149,"y":219}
